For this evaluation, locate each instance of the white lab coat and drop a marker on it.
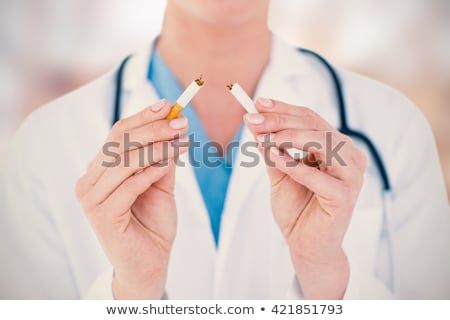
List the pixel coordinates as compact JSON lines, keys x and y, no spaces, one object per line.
{"x":48,"y":249}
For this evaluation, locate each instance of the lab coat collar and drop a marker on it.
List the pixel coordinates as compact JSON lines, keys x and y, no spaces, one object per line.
{"x":283,"y":57}
{"x":136,"y":71}
{"x":286,"y":61}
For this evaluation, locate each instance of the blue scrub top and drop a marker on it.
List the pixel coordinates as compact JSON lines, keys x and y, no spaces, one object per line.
{"x":212,"y":171}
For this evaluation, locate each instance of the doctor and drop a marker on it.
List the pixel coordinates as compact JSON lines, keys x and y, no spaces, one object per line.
{"x":268,"y":231}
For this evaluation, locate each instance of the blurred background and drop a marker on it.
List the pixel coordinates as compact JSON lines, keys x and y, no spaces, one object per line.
{"x":50,"y":47}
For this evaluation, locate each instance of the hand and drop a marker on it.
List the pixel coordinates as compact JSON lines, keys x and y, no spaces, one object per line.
{"x":312,"y":200}
{"x":130,"y":204}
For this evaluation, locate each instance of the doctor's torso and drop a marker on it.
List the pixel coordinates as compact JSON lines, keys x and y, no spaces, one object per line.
{"x":252,"y":259}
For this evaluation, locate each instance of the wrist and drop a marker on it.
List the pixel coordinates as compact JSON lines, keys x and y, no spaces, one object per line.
{"x":130,"y":289}
{"x":323,"y":277}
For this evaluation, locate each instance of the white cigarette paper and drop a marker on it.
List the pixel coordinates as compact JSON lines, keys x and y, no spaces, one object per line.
{"x":297,"y":154}
{"x":247,"y":103}
{"x":243,"y":98}
{"x":189,"y":94}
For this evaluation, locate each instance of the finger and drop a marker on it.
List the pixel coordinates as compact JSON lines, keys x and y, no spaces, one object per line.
{"x":120,"y":141}
{"x":325,"y":186}
{"x":157,"y":111}
{"x":272,"y":122}
{"x":161,"y":130}
{"x":332,"y":151}
{"x":121,"y":200}
{"x":131,"y":163}
{"x":264,"y":105}
{"x":138,"y":159}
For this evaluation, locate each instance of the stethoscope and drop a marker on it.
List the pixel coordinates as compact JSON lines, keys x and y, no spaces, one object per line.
{"x":343,"y":125}
{"x":387,"y":226}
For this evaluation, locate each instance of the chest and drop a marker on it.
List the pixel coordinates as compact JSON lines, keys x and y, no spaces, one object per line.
{"x":219,"y":114}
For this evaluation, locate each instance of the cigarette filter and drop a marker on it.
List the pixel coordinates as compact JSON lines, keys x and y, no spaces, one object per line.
{"x":185,"y":98}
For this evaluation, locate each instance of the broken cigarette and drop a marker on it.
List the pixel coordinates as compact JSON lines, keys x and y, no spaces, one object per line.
{"x":247,"y":103}
{"x":185,"y":98}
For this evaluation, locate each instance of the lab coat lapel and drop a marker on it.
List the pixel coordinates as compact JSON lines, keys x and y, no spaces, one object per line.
{"x":275,"y":84}
{"x":142,"y":97}
{"x":242,"y":180}
{"x":137,"y":92}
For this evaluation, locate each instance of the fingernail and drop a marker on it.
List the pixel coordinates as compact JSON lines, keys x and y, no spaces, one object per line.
{"x":265,"y":137}
{"x":255,"y":118}
{"x":266,"y":103}
{"x":178,"y":123}
{"x":158,"y":105}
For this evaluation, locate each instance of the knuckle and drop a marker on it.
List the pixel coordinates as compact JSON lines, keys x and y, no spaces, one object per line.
{"x":114,"y":138}
{"x":338,"y":139}
{"x":119,"y":126}
{"x":290,"y":135}
{"x":348,"y":140}
{"x":138,"y":159}
{"x":312,"y":122}
{"x":148,"y":173}
{"x":152,"y":131}
{"x":152,"y":174}
{"x":279,"y":122}
{"x":331,"y":168}
{"x":101,"y":213}
{"x":128,"y":186}
{"x":333,"y":138}
{"x":155,"y":152}
{"x":304,"y":111}
{"x":324,"y":138}
{"x":309,"y":112}
{"x":79,"y":186}
{"x":144,"y":115}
